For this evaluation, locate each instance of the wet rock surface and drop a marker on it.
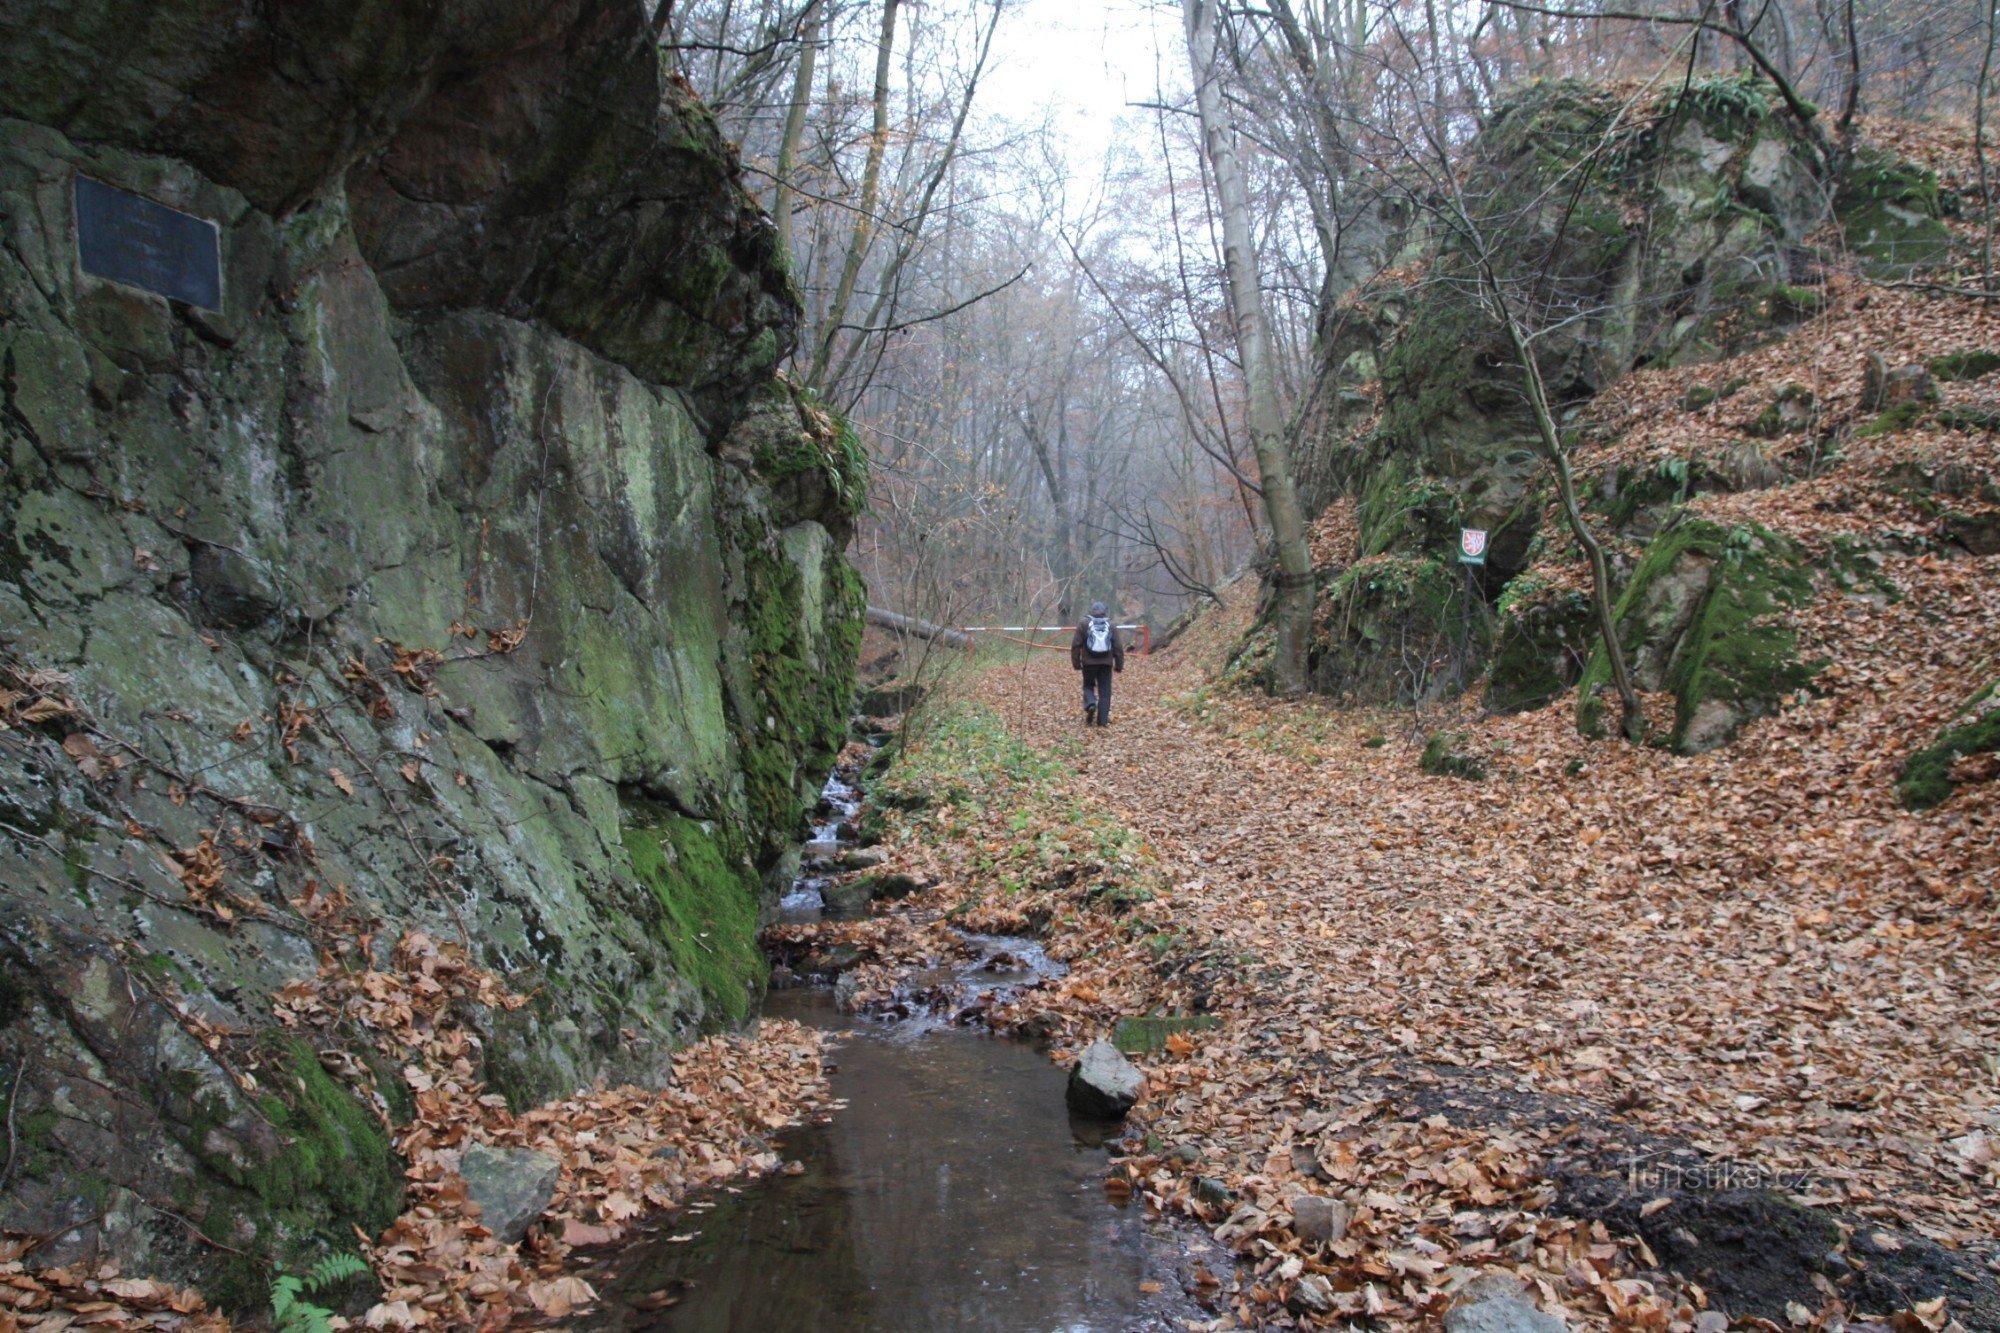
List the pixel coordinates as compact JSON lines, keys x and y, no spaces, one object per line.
{"x":1104,"y":1084}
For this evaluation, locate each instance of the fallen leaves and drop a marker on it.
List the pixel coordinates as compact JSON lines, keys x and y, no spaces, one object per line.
{"x":1756,"y":950}
{"x":623,"y":1152}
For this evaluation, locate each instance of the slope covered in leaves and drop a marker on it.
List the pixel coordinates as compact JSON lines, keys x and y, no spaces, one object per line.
{"x":1755,"y":952}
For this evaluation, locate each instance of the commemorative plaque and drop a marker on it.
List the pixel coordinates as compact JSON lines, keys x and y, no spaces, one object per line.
{"x":134,"y":240}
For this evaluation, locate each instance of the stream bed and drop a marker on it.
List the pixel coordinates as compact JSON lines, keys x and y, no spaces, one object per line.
{"x":953,"y":1189}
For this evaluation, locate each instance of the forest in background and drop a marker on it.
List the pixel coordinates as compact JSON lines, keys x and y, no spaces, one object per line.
{"x":1041,"y":352}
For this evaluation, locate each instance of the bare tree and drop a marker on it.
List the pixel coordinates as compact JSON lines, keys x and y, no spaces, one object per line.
{"x":1293,"y":579}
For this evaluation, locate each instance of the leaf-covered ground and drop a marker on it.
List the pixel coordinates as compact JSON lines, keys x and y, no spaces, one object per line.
{"x":1426,"y":984}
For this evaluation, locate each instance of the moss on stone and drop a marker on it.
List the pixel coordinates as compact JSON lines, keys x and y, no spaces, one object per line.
{"x":1399,"y":510}
{"x":1970,"y":418}
{"x":336,"y":1171}
{"x":1889,"y":209}
{"x":1791,"y":410}
{"x":1964,"y":365}
{"x":1415,"y":606}
{"x":793,"y":726}
{"x":1444,"y":757}
{"x":1898,"y":418}
{"x":708,"y":893}
{"x":1543,"y":639}
{"x":1926,"y":780}
{"x":1703,"y":608}
{"x":829,"y":446}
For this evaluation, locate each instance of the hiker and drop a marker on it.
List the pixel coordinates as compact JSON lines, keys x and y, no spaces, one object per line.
{"x":1096,"y":652}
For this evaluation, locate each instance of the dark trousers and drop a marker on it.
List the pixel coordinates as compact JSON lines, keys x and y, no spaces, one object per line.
{"x":1097,"y":693}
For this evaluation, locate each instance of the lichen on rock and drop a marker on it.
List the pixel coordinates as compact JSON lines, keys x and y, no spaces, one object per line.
{"x":472,"y":558}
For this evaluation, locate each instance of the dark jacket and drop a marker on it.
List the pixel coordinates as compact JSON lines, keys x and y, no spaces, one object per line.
{"x":1081,"y":657}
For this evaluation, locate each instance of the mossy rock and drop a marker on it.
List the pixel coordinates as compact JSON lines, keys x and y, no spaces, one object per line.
{"x":1702,"y":618}
{"x":1794,"y":409}
{"x":1927,"y":780}
{"x":1889,"y":209}
{"x":1381,"y":615}
{"x":1147,"y":1034}
{"x":1643,"y":499}
{"x":1538,"y":654}
{"x":334,"y":1171}
{"x":1964,"y":365}
{"x":708,"y":891}
{"x":1444,"y":756}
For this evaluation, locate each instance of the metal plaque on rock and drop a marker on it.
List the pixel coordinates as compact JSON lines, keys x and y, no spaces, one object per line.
{"x":131,"y":239}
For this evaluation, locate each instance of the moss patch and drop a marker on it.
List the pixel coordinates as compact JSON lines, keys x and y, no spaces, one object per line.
{"x":1147,"y":1034}
{"x":1927,"y":781}
{"x":335,"y":1172}
{"x":708,"y":894}
{"x":1898,"y":418}
{"x":1706,"y":601}
{"x":1964,"y":365}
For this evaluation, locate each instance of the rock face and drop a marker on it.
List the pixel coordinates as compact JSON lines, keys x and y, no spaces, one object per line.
{"x":470,"y":559}
{"x":512,"y":1186}
{"x":1104,"y":1085}
{"x":1662,"y":234}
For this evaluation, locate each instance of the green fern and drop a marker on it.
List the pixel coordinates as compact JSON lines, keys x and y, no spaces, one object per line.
{"x":291,"y":1312}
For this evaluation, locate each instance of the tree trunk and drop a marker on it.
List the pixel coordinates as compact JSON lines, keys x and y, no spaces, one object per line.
{"x":784,"y":203}
{"x":1294,"y":580}
{"x":864,"y":214}
{"x":1632,"y":719}
{"x":921,"y":629}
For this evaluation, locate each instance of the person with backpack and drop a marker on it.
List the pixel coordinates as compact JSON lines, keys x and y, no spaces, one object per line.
{"x":1096,"y":652}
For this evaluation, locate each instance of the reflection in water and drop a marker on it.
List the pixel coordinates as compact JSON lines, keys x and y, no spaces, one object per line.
{"x":950,"y":1193}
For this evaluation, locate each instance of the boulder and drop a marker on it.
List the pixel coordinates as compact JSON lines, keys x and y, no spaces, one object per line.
{"x":863,"y":858}
{"x":1104,"y":1084}
{"x":1496,"y":1303}
{"x":1883,"y":389}
{"x":1320,"y":1219}
{"x":511,"y":1186}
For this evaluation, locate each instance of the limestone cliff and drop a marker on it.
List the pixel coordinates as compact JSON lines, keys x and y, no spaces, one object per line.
{"x":471,"y":557}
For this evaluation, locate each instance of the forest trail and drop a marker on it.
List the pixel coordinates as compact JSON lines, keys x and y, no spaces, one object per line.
{"x":1755,"y":956}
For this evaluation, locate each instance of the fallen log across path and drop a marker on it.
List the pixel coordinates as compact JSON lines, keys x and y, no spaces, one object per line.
{"x":922,"y":629}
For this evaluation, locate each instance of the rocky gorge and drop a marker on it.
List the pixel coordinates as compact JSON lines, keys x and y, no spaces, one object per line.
{"x":467,"y":570}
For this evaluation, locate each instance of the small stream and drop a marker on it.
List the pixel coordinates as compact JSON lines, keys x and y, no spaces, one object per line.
{"x":953,"y":1191}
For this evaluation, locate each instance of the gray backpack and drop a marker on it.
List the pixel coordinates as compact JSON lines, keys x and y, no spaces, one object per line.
{"x":1097,"y":638}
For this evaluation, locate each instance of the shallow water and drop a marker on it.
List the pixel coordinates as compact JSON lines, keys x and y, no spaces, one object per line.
{"x":953,"y":1192}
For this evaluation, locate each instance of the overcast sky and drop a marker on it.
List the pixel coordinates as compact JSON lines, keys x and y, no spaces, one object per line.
{"x":1083,"y":60}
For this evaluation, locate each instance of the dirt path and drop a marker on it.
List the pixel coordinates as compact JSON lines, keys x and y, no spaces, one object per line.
{"x":1755,"y":955}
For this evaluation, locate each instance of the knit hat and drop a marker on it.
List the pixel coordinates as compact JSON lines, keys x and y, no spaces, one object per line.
{"x":1099,"y":609}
